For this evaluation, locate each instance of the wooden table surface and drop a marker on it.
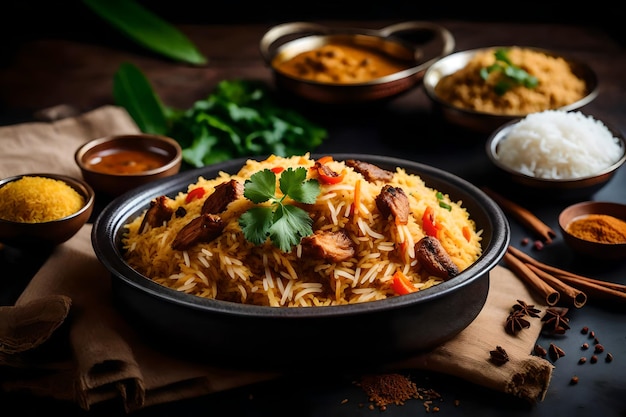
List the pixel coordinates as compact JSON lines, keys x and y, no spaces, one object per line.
{"x":77,"y":70}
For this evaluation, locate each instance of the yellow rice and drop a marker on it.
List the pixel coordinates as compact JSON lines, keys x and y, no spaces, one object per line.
{"x":558,"y":85}
{"x":33,"y":199}
{"x":231,"y":268}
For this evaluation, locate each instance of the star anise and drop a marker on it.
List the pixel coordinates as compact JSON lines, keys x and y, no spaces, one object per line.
{"x":528,"y":309}
{"x":499,"y":356}
{"x":515,"y":322}
{"x":555,"y":321}
{"x":555,"y":352}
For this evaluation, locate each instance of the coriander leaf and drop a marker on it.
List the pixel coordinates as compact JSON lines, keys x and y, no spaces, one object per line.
{"x":260,"y":187}
{"x":255,"y":224}
{"x":293,"y":184}
{"x":512,"y":74}
{"x":284,"y":224}
{"x":291,"y":180}
{"x":291,"y":223}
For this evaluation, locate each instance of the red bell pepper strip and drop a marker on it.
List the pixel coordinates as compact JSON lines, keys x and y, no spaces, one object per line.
{"x":194,"y":194}
{"x":401,"y":284}
{"x":431,"y":228}
{"x":277,"y":170}
{"x":327,"y":175}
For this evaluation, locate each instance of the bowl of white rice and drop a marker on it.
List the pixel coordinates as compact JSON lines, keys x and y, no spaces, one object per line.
{"x":558,"y":150}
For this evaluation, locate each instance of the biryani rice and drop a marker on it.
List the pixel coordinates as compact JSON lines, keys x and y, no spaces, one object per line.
{"x":233,"y":269}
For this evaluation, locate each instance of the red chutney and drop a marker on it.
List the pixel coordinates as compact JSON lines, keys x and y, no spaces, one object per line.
{"x":126,"y":161}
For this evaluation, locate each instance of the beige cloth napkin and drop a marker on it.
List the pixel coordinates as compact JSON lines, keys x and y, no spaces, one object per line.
{"x":64,"y":339}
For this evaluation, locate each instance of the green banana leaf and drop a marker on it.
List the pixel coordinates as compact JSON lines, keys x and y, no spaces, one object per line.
{"x":132,"y":90}
{"x":147,"y":29}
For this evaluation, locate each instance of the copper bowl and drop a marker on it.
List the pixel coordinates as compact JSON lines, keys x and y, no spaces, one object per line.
{"x":484,"y":122}
{"x":591,"y":248}
{"x":51,"y":232}
{"x":163,"y":158}
{"x":282,"y":42}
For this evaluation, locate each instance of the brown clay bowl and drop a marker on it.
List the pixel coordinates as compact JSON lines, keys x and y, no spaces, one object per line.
{"x":115,"y":164}
{"x":51,"y":232}
{"x":592,"y":248}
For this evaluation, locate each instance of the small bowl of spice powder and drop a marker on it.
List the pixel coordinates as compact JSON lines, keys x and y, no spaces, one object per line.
{"x":596,"y":229}
{"x":43,"y":208}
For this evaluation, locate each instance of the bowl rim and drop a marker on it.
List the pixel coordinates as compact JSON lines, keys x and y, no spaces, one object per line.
{"x":174,"y":160}
{"x":500,"y":133}
{"x":433,"y":74}
{"x":106,"y":243}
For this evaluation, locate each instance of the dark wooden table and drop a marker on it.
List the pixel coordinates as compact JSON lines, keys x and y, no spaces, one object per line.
{"x":78,"y":70}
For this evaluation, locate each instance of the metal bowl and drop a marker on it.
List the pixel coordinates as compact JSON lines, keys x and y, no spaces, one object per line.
{"x":567,"y":188}
{"x":51,"y":232}
{"x":283,"y":42}
{"x":257,"y":336}
{"x":485,"y":122}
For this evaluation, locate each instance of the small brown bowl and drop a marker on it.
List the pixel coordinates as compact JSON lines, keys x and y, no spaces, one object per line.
{"x":485,"y":122}
{"x":285,"y":41}
{"x":53,"y":232}
{"x":593,"y":248}
{"x":116,"y":164}
{"x":563,"y":188}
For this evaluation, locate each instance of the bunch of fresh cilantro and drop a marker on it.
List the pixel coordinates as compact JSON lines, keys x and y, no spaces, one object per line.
{"x":239,"y":118}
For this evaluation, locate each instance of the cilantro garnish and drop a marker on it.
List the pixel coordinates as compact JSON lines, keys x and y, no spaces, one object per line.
{"x":442,"y":203}
{"x":512,"y":74}
{"x":283,"y":223}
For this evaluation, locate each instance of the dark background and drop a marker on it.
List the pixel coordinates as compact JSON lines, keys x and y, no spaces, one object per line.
{"x":32,"y":18}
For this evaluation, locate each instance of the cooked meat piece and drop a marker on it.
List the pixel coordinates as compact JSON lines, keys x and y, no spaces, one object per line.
{"x":222,"y":196}
{"x":203,"y":228}
{"x":392,"y":201}
{"x":434,"y":258}
{"x":331,"y":246}
{"x":371,"y":172}
{"x":158,"y":213}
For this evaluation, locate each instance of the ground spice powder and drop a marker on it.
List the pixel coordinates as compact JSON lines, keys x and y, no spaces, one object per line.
{"x":599,"y":228}
{"x":393,"y":388}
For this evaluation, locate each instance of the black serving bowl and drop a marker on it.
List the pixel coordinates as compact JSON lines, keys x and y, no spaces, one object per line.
{"x":269,"y":337}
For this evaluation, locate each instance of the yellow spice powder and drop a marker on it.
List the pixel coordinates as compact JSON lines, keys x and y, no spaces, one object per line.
{"x":33,"y":199}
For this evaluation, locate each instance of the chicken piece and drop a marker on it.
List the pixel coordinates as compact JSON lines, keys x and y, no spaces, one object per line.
{"x":158,"y":213}
{"x":370,"y":172}
{"x":203,"y":228}
{"x":222,"y":196}
{"x":393,"y":202}
{"x":331,"y":246}
{"x":434,"y":258}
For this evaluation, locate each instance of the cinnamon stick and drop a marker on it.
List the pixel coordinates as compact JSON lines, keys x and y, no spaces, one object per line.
{"x":595,"y":288}
{"x":545,"y":290}
{"x":572,"y":295}
{"x":523,"y":215}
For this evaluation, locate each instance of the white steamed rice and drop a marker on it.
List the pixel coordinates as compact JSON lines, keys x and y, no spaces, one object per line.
{"x":556,"y":144}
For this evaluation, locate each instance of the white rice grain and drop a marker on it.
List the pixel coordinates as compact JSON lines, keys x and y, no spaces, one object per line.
{"x":556,"y":144}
